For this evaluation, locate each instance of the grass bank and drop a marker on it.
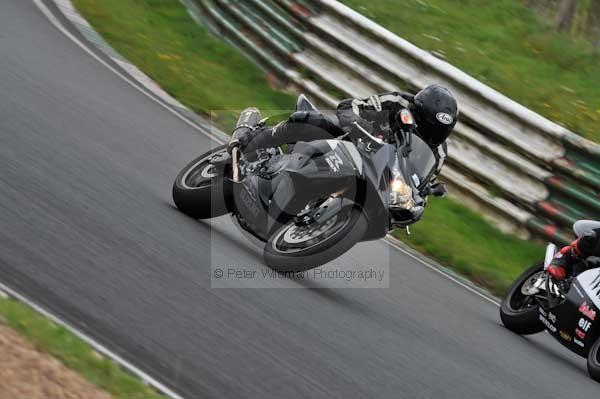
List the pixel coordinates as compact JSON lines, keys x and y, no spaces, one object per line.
{"x":145,"y":30}
{"x":73,"y":352}
{"x":507,"y":46}
{"x":201,"y":71}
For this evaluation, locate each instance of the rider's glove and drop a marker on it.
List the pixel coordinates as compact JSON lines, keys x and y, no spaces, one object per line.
{"x":558,"y":268}
{"x":438,"y":190}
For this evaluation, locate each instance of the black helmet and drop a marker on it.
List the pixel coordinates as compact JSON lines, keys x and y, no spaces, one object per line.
{"x":435,"y":111}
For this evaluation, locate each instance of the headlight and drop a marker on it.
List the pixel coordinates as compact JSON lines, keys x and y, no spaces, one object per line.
{"x":401,"y":194}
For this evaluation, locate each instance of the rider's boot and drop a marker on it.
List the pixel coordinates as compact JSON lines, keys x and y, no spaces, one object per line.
{"x":561,"y":266}
{"x":244,"y":128}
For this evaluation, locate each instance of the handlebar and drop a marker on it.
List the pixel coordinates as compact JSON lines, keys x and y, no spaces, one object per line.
{"x":407,"y":137}
{"x":369,"y":135}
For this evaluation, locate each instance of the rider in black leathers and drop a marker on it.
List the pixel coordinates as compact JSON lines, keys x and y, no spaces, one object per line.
{"x":434,"y":108}
{"x":435,"y":112}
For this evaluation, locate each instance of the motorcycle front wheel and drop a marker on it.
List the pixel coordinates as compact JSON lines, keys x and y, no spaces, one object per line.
{"x":593,"y":361}
{"x":202,"y":189}
{"x":299,"y":247}
{"x":519,"y":312}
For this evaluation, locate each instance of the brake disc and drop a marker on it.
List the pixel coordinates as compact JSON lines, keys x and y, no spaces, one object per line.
{"x":534,"y":284}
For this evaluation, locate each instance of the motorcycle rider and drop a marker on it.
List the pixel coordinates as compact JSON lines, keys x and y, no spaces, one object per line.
{"x":434,"y":108}
{"x":585,"y":246}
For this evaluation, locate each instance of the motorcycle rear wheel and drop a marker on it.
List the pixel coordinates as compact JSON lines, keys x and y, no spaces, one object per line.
{"x":294,"y":248}
{"x":202,"y":189}
{"x":515,"y":316}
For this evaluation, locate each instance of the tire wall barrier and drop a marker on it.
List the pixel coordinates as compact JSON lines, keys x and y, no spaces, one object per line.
{"x":520,"y":170}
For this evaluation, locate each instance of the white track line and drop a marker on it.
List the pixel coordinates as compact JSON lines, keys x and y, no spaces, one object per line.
{"x":89,"y":340}
{"x":391,"y":242}
{"x":93,"y":343}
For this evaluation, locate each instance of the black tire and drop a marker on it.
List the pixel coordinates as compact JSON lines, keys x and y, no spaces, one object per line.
{"x":518,"y":320}
{"x":593,"y":361}
{"x":204,"y":193}
{"x":337,"y":238}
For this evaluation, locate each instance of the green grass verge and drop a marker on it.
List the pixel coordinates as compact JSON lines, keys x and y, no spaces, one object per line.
{"x":73,"y":352}
{"x":204,"y":73}
{"x":505,"y":45}
{"x":456,"y":236}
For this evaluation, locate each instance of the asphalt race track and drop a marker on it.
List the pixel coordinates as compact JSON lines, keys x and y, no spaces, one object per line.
{"x":89,"y":232}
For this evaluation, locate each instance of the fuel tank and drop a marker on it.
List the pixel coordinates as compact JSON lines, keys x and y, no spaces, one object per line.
{"x":314,"y":170}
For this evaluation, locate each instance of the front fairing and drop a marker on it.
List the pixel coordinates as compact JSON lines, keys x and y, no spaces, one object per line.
{"x":419,"y":165}
{"x":574,"y":322}
{"x":377,"y":178}
{"x":416,"y":169}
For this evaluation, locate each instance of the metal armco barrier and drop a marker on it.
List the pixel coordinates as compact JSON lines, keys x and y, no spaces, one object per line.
{"x":524,"y":172}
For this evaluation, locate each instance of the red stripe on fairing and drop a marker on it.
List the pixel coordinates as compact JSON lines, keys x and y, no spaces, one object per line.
{"x":550,"y":230}
{"x":301,"y":10}
{"x":549,"y":208}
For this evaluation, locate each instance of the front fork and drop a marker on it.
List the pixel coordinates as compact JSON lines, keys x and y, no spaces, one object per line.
{"x":550,"y":252}
{"x":555,"y":291}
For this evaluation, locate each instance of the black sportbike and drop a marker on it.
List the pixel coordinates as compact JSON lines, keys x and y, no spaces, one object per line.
{"x":566,"y":309}
{"x":315,"y":200}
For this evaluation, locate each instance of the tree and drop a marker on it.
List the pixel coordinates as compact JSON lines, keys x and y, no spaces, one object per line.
{"x":566,"y":13}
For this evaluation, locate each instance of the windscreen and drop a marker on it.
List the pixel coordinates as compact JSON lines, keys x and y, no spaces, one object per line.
{"x":421,"y":159}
